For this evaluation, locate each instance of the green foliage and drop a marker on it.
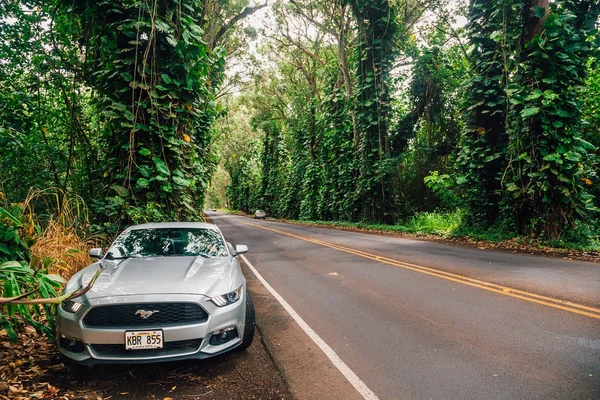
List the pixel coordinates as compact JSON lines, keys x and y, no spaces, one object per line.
{"x":548,"y":175}
{"x":155,"y":81}
{"x":428,"y":129}
{"x":374,"y":52}
{"x":444,"y":188}
{"x":355,"y":116}
{"x":38,"y":134}
{"x":338,"y":196}
{"x":16,"y":234}
{"x":445,"y":224}
{"x":438,"y":223}
{"x":18,"y":279}
{"x":590,"y":127}
{"x":494,"y":30}
{"x":522,"y":151}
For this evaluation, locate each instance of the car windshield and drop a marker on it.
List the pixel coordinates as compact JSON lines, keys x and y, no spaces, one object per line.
{"x":153,"y":242}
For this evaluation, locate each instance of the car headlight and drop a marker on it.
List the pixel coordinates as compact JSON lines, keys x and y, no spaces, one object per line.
{"x":71,"y":306}
{"x":227,"y":298}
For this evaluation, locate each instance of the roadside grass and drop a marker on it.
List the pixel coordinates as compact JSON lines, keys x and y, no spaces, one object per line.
{"x":433,"y":223}
{"x":452,"y":225}
{"x":442,"y":224}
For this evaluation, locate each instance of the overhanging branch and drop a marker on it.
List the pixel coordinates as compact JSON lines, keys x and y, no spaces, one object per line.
{"x":246,"y":12}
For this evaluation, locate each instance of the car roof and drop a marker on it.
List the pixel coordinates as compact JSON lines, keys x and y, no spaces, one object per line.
{"x":159,"y":225}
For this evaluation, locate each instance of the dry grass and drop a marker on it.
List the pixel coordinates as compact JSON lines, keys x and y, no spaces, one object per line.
{"x":62,"y":246}
{"x":65,"y":252}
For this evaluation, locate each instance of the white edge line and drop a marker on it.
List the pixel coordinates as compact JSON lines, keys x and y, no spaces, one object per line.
{"x":358,"y":384}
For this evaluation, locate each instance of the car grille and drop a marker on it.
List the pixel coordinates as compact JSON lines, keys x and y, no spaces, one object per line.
{"x":127,"y":315}
{"x":169,"y":349}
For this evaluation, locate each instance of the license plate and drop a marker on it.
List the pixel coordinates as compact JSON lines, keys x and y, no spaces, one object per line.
{"x":138,"y":340}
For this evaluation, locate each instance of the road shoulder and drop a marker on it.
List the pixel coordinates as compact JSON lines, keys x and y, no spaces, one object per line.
{"x":307,"y":370}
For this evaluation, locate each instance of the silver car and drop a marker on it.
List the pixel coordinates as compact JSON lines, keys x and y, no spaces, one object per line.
{"x":168,"y":291}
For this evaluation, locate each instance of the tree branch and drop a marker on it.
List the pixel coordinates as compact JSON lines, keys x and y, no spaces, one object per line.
{"x":246,"y":12}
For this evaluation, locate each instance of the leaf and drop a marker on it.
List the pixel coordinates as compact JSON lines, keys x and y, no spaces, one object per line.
{"x":166,"y":78}
{"x":171,"y":40}
{"x":121,"y":191}
{"x":539,"y":12}
{"x":587,"y":145}
{"x":55,"y":278}
{"x":512,"y":187}
{"x":126,"y":76}
{"x":4,"y":249}
{"x":161,"y":167}
{"x":146,"y":171}
{"x":181,"y":181}
{"x":162,"y":26}
{"x":530,"y":112}
{"x":143,"y":183}
{"x":496,"y":34}
{"x":144,"y":151}
{"x":553,"y":157}
{"x":14,"y":220}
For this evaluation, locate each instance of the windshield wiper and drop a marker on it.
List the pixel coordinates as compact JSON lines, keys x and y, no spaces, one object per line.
{"x":126,"y":257}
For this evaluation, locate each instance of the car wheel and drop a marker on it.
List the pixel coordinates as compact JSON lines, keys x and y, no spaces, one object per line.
{"x":250,"y":324}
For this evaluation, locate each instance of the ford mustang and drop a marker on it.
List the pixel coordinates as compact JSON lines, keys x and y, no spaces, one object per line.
{"x":168,"y":291}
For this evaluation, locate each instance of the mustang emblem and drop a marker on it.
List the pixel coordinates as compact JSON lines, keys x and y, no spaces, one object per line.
{"x":145,"y":314}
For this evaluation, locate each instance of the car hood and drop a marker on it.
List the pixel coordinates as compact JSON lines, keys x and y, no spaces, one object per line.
{"x":159,"y":275}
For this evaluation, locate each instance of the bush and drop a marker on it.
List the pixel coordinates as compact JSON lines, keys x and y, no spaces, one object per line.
{"x":444,"y":187}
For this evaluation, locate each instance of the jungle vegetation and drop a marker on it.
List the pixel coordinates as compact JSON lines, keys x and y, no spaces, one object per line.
{"x":479,"y":115}
{"x":386,"y":112}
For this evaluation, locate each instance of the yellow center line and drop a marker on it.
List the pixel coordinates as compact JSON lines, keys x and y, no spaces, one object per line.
{"x":492,"y":287}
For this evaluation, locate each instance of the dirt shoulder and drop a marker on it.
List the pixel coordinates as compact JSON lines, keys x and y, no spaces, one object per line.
{"x":33,"y":369}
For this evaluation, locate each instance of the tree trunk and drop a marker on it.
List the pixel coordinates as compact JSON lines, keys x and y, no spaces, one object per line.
{"x":534,"y":25}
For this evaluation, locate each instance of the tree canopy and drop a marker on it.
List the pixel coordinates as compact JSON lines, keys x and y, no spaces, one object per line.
{"x":351,"y":110}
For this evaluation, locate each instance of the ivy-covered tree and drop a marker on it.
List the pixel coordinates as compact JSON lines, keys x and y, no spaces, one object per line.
{"x":154,"y":80}
{"x":377,"y":31}
{"x":494,"y":30}
{"x":522,"y":151}
{"x":549,"y":168}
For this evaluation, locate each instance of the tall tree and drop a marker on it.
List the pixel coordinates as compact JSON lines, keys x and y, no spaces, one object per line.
{"x":493,"y":27}
{"x":549,"y":165}
{"x":522,"y":151}
{"x":377,"y":31}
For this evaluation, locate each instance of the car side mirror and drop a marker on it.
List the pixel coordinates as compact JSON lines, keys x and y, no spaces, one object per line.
{"x":96,"y":253}
{"x":241,"y":249}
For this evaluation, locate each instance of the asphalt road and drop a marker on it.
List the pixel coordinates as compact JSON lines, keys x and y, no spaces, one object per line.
{"x":421,"y":320}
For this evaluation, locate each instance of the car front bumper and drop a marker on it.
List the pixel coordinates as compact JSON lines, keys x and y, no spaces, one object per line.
{"x":107,"y":345}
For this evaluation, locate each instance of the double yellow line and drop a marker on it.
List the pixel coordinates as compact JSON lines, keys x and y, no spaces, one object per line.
{"x":492,"y":287}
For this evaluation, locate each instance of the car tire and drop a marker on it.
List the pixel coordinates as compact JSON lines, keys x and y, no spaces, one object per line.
{"x":249,"y":324}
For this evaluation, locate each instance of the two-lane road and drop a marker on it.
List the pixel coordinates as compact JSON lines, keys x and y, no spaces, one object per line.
{"x":420,"y":320}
